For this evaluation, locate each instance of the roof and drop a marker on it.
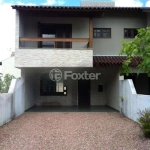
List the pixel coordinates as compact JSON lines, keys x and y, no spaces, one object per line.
{"x":77,"y":7}
{"x":113,"y":61}
{"x":78,"y":11}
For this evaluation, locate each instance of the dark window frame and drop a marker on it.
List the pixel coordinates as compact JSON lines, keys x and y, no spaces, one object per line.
{"x":133,"y":34}
{"x":48,"y":87}
{"x":51,"y":93}
{"x":102,"y":32}
{"x":67,"y":28}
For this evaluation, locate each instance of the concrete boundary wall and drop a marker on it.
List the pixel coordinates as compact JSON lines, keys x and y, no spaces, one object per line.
{"x":132,"y":102}
{"x":11,"y":103}
{"x":6,"y":108}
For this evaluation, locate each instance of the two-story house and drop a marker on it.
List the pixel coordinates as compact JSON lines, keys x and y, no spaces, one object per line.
{"x":75,"y":40}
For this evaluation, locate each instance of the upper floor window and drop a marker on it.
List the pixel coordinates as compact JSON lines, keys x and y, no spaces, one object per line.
{"x":130,"y":33}
{"x":102,"y":33}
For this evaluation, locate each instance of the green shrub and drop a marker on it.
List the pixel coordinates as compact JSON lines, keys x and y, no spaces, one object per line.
{"x":144,"y":121}
{"x":5,"y":83}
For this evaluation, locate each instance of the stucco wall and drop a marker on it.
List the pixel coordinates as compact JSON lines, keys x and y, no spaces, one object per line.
{"x":53,"y":58}
{"x":102,"y":46}
{"x":8,"y":67}
{"x":6,"y":108}
{"x":17,"y":33}
{"x":80,"y":28}
{"x":97,"y":98}
{"x":11,"y":103}
{"x":112,"y":46}
{"x":16,"y":88}
{"x":132,"y":102}
{"x":21,"y":29}
{"x":112,"y":89}
{"x":28,"y":78}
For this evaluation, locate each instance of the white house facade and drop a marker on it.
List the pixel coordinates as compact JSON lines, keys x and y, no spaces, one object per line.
{"x":75,"y":40}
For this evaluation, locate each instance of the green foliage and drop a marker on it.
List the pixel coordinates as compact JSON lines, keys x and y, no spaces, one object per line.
{"x":139,"y":46}
{"x":121,"y":98}
{"x":5,"y":84}
{"x":144,"y":121}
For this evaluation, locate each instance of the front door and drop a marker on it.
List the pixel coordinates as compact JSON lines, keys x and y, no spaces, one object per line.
{"x":84,"y":92}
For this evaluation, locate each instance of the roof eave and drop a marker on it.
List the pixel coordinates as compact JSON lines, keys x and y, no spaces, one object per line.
{"x":27,"y":7}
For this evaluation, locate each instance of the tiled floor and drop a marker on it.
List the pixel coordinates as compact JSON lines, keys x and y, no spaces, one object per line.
{"x":71,"y":109}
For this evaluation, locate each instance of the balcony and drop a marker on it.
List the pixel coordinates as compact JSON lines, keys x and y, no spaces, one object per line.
{"x":39,"y":39}
{"x":53,"y":57}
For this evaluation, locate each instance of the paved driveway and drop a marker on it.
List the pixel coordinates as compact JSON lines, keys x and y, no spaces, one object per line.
{"x":72,"y":131}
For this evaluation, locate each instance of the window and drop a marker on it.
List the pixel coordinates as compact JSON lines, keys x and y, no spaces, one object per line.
{"x":54,"y":31}
{"x":102,"y":33}
{"x":51,"y":88}
{"x":130,"y":33}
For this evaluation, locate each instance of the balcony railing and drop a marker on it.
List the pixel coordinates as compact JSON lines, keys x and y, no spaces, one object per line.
{"x":39,"y":39}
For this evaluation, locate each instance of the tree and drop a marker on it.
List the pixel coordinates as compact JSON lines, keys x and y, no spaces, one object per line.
{"x":139,"y":46}
{"x":5,"y":84}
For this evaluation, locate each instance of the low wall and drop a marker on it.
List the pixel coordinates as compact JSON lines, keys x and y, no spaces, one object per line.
{"x":132,"y":102}
{"x":6,"y":108}
{"x":112,"y":89}
{"x":11,"y":103}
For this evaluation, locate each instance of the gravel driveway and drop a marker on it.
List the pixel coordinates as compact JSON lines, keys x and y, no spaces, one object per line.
{"x":72,"y":131}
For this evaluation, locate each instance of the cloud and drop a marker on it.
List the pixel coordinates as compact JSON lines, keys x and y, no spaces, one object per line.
{"x":61,"y":2}
{"x":50,"y":2}
{"x":128,"y":3}
{"x":54,"y":2}
{"x":148,"y":3}
{"x":21,"y":3}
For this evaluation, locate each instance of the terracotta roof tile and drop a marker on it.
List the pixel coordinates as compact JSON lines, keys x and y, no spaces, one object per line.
{"x":113,"y":61}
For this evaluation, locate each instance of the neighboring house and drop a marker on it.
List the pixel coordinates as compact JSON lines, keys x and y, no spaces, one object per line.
{"x":9,"y":68}
{"x":76,"y":39}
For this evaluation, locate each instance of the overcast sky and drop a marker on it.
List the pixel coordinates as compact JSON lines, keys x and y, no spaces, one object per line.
{"x":7,"y":17}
